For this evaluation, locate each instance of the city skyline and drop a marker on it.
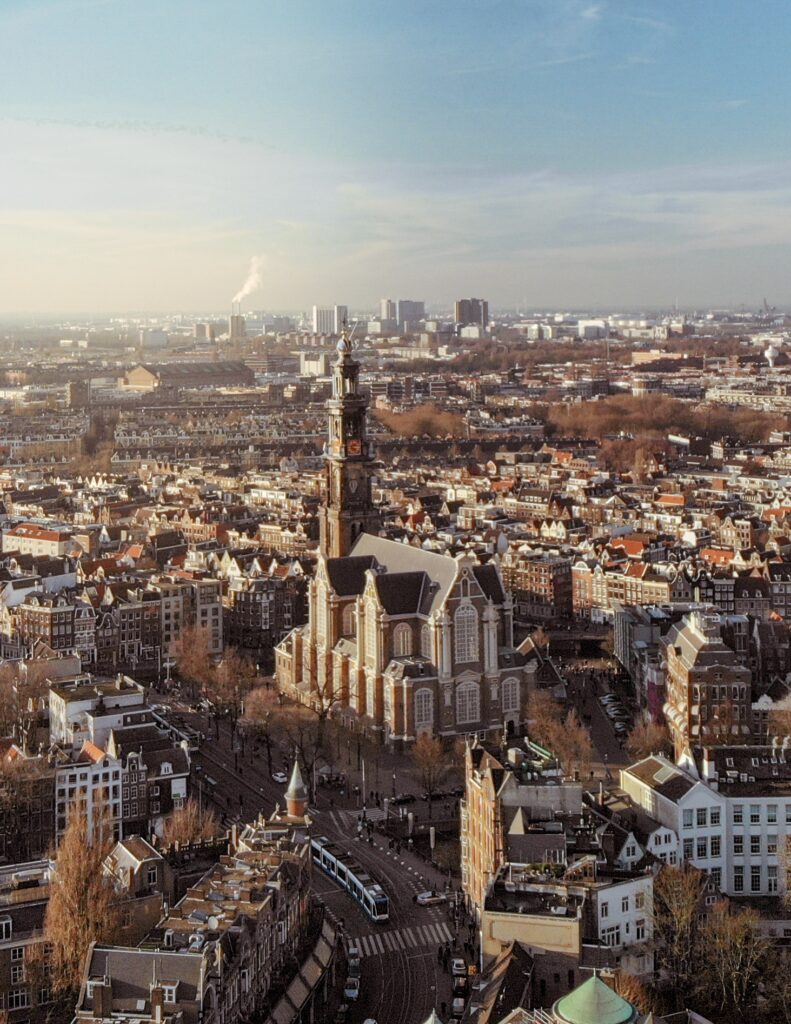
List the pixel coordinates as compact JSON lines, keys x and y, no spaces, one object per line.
{"x":565,"y":154}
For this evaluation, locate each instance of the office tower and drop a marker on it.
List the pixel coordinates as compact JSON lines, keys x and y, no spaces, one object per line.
{"x":472,"y":311}
{"x":409,"y":311}
{"x":329,"y":319}
{"x":387,"y":309}
{"x":238,"y":330}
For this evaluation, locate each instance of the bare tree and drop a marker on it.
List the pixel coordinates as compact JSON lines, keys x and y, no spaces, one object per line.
{"x":676,"y":911}
{"x":228,"y":686}
{"x":193,"y":660}
{"x":733,"y":958}
{"x":262,"y":719}
{"x":431,"y":765}
{"x":309,"y":736}
{"x":544,"y":718}
{"x":573,"y":746}
{"x":648,"y":737}
{"x":634,"y":991}
{"x":566,"y":737}
{"x":83,"y":903}
{"x":190,"y":823}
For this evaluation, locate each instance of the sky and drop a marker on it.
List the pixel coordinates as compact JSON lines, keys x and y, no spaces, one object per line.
{"x":538,"y":153}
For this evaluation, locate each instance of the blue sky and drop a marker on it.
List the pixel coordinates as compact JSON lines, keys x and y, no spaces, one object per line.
{"x":618,"y":153}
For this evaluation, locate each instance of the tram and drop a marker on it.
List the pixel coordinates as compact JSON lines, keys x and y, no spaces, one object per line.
{"x":352,"y":876}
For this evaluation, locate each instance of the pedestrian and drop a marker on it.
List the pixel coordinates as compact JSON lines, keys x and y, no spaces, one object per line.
{"x":443,"y":1007}
{"x":439,"y":955}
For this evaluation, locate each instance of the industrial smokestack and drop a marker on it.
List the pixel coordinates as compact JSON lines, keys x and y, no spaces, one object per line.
{"x":252,"y":282}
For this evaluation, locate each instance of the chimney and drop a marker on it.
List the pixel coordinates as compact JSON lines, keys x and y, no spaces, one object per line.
{"x":157,"y":1003}
{"x":103,"y":999}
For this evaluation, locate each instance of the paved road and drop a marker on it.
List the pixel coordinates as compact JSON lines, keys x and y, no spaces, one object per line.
{"x":401,"y":978}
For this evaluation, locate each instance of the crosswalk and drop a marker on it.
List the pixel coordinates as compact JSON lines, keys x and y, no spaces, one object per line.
{"x":414,"y":937}
{"x":344,"y":820}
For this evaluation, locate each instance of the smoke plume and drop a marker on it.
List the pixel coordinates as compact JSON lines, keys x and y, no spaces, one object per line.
{"x":253,"y":280}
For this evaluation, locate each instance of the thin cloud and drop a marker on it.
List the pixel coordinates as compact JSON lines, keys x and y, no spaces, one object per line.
{"x":653,"y":23}
{"x":576,"y":58}
{"x":592,"y":13}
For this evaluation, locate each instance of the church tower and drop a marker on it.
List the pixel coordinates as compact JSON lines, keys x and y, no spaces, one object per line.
{"x":348,"y":509}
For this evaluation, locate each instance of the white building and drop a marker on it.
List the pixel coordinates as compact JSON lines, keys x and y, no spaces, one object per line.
{"x":329,"y":319}
{"x":731,"y":810}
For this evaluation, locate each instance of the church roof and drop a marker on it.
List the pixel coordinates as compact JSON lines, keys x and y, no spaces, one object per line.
{"x":401,"y":593}
{"x":489,"y":580}
{"x":347,"y":575}
{"x":403,"y":558}
{"x":593,"y":1002}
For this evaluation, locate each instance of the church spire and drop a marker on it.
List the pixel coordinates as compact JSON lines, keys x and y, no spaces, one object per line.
{"x":348,"y":509}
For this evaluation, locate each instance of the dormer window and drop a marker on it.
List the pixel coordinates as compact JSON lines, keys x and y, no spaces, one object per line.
{"x":167,"y":768}
{"x":169,"y":993}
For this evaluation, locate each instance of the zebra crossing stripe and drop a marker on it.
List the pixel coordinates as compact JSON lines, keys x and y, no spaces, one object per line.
{"x":379,"y":943}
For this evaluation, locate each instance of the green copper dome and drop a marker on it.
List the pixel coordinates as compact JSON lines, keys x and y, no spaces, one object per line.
{"x":594,"y":1003}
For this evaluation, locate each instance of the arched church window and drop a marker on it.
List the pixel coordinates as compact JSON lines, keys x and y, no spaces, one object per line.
{"x":402,"y":641}
{"x":465,"y":624}
{"x":424,"y":709}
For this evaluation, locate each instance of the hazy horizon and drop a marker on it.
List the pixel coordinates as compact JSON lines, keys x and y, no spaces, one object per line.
{"x":542,"y":154}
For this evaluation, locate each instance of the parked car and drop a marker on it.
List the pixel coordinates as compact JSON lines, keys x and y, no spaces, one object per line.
{"x":460,"y":986}
{"x":431,"y":898}
{"x":354,"y":968}
{"x":342,"y":1014}
{"x":458,"y":968}
{"x":351,"y":990}
{"x":353,"y":951}
{"x":457,"y":1008}
{"x":280,"y":778}
{"x":403,"y":798}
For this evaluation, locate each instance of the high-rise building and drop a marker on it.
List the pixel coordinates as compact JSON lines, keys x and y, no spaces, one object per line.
{"x":472,"y":311}
{"x":387,"y":309}
{"x":409,"y":311}
{"x":329,"y":319}
{"x":238,"y":328}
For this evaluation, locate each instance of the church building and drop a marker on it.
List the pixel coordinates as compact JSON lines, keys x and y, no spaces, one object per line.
{"x":402,"y":640}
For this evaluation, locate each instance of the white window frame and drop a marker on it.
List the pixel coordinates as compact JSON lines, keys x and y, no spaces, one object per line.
{"x":468,"y":703}
{"x":465,"y":634}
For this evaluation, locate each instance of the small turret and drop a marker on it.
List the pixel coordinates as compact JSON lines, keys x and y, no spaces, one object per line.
{"x":296,"y":794}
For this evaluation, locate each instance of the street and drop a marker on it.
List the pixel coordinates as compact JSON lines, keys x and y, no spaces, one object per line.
{"x":402,"y":980}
